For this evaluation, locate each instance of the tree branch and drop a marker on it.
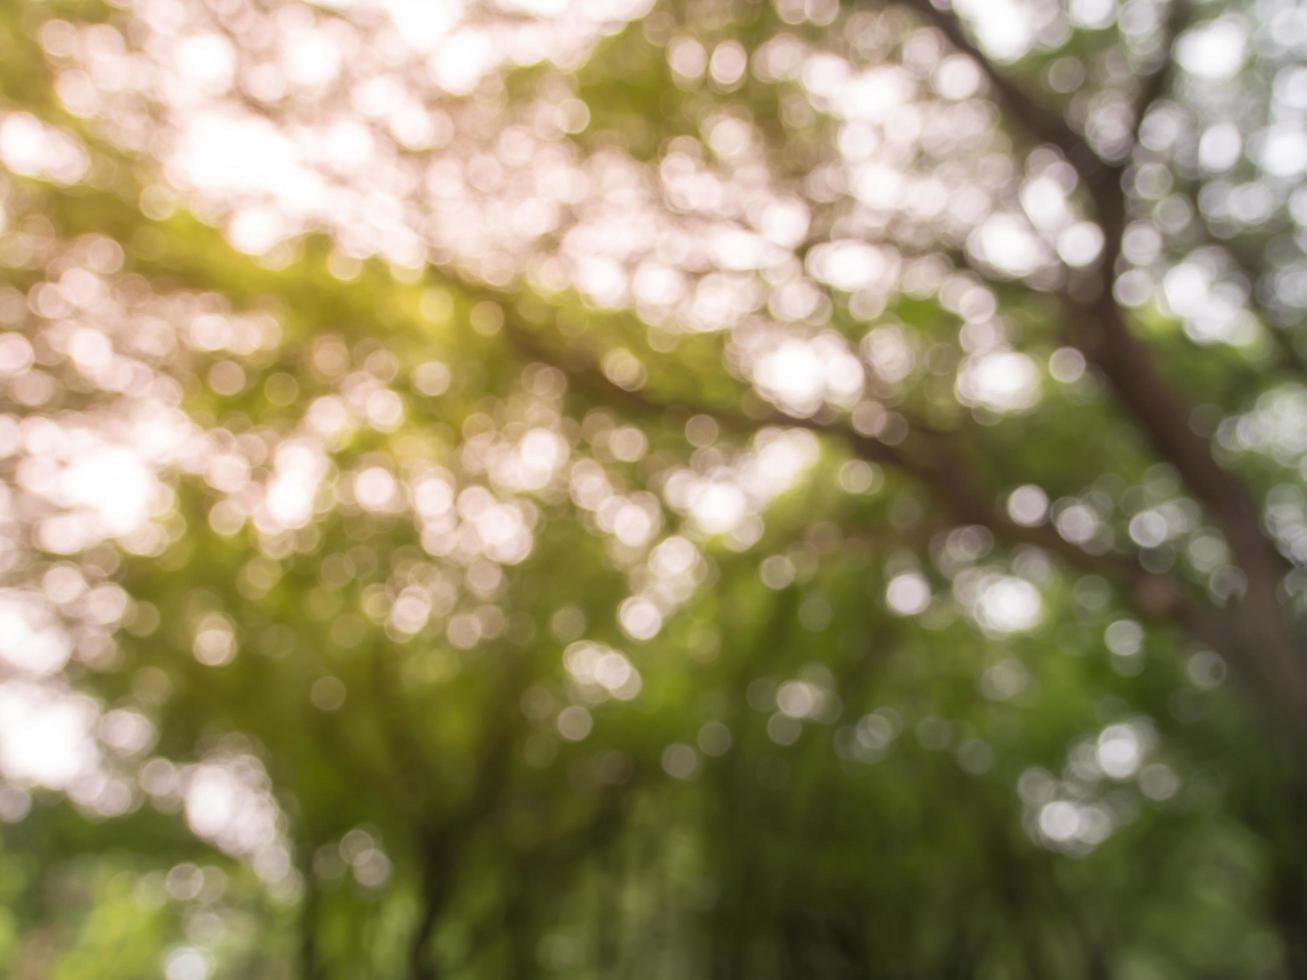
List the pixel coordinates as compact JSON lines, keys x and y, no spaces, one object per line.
{"x":1041,"y":123}
{"x":1265,"y":639}
{"x":940,"y":468}
{"x":1156,"y":82}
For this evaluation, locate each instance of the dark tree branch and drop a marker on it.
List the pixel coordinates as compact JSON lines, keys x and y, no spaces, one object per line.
{"x":939,"y":466}
{"x":1264,"y":642}
{"x":1043,"y":124}
{"x":1159,"y":79}
{"x":585,"y":373}
{"x":1255,"y":643}
{"x":1099,"y":327}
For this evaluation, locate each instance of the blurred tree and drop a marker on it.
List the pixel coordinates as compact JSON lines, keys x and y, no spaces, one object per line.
{"x":697,"y":489}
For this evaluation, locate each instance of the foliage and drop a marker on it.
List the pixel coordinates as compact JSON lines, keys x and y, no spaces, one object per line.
{"x":705,"y":489}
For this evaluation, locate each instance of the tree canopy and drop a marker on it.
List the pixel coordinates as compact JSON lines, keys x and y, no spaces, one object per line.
{"x":653,"y":488}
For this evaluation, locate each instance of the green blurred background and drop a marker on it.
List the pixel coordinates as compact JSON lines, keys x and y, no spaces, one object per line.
{"x":725,"y":489}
